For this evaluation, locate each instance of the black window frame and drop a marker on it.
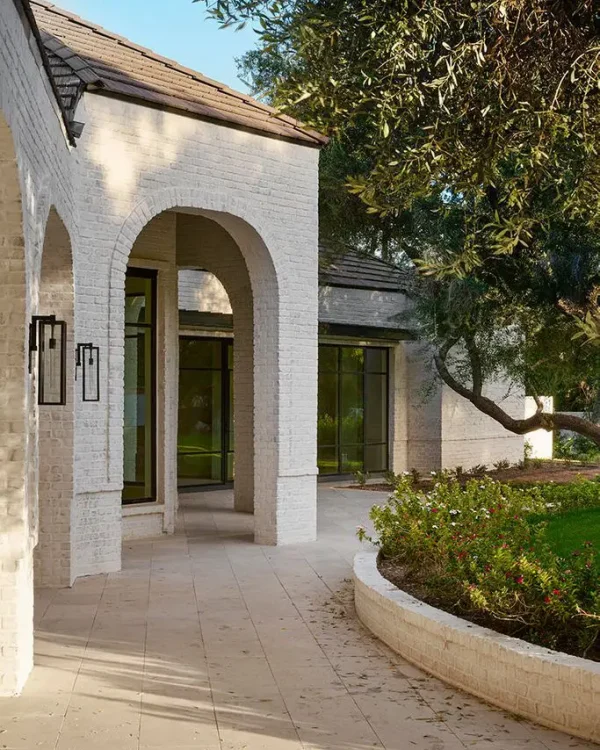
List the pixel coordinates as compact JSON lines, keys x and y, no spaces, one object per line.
{"x":152,"y":274}
{"x":226,"y":422}
{"x":339,"y":372}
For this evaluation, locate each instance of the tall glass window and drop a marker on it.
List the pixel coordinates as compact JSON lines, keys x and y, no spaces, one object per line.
{"x":353,"y":409}
{"x":205,"y":432}
{"x":139,"y":444}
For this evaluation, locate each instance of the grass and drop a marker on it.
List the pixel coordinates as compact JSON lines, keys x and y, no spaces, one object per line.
{"x":566,"y":532}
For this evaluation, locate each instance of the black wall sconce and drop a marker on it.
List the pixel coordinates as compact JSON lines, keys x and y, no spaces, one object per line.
{"x":48,"y":337}
{"x":88,"y":358}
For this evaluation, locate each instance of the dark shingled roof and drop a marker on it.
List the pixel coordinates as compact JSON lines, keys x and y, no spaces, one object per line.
{"x":84,"y":55}
{"x":350,"y":268}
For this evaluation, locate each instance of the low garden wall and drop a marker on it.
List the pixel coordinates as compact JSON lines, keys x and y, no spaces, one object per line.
{"x":551,"y":688}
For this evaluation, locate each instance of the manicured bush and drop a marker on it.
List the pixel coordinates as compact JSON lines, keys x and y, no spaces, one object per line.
{"x":480,"y":551}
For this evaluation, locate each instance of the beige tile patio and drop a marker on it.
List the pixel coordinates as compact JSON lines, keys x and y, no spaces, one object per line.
{"x":207,"y":642}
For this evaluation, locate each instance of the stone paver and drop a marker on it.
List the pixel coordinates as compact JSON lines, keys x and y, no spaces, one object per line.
{"x":207,"y":641}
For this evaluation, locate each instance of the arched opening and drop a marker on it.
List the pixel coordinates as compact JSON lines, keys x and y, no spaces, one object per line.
{"x":16,"y":529}
{"x":151,"y":466}
{"x":274,"y":375}
{"x":52,"y":558}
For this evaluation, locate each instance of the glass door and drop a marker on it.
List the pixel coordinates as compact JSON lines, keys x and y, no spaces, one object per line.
{"x":139,"y":437}
{"x":205,"y":428}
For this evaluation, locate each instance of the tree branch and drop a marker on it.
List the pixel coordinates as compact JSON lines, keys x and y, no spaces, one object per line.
{"x":475,"y":361}
{"x":539,"y":420}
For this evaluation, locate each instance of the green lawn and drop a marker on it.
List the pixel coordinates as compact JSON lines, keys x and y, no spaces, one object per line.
{"x":567,"y":531}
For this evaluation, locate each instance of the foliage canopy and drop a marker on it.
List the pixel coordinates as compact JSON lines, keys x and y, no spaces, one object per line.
{"x":467,"y":134}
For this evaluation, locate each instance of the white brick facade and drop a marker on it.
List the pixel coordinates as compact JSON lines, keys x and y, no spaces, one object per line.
{"x":36,"y":166}
{"x":155,"y":188}
{"x":254,"y":194}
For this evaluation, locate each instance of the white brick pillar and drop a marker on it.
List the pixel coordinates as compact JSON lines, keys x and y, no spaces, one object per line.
{"x":285,"y":386}
{"x":53,"y":564}
{"x":398,"y":409}
{"x":16,"y":517}
{"x":424,"y":410}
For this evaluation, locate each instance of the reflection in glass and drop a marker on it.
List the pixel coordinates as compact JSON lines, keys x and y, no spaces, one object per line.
{"x":353,"y":409}
{"x":140,"y":387}
{"x":352,"y":423}
{"x":205,"y":428}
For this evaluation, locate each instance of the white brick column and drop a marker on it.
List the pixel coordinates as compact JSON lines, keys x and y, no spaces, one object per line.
{"x":53,"y":565}
{"x":398,"y":409}
{"x":16,"y":540}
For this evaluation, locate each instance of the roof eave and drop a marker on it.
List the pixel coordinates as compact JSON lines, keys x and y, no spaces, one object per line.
{"x":25,"y":8}
{"x":105,"y":89}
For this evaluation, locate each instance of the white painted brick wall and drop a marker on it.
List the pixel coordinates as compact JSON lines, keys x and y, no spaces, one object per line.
{"x":35,"y":174}
{"x":202,"y":292}
{"x":131,"y":157}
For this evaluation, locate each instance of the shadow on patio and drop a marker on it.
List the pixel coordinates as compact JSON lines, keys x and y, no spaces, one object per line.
{"x":206,"y":641}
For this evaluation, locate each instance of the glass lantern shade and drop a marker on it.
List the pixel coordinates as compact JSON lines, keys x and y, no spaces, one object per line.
{"x":48,"y":337}
{"x":91,"y":374}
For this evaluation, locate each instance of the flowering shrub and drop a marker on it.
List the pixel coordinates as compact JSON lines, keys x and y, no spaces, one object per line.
{"x":582,"y":493}
{"x":480,"y":551}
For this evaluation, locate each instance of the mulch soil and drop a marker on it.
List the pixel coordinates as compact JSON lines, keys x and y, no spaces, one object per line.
{"x":396,"y":574}
{"x":560,"y":472}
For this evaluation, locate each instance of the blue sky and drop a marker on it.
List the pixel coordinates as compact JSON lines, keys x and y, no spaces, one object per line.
{"x":177,"y":29}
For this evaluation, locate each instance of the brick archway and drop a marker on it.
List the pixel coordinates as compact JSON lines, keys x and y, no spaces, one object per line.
{"x":283,"y":470}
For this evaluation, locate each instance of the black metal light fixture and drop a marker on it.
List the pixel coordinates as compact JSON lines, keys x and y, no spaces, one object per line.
{"x":88,"y":358}
{"x":48,"y":337}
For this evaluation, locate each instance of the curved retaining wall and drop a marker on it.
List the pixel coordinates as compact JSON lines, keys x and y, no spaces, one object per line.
{"x":551,"y":688}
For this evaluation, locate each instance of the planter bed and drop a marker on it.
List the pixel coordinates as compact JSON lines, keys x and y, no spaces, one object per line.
{"x":551,"y":688}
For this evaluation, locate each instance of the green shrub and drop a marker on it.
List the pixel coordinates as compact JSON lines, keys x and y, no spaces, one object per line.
{"x":361,"y":477}
{"x":577,"y":495}
{"x":476,"y":551}
{"x":576,"y":448}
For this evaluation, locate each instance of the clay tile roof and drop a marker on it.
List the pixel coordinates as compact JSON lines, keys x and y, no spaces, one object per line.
{"x":83,"y":54}
{"x":351,"y":268}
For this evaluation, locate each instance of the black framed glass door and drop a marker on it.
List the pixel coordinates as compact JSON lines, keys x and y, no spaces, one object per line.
{"x":352,"y":427}
{"x":205,"y":426}
{"x":139,"y":415}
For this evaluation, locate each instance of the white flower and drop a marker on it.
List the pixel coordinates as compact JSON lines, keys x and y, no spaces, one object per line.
{"x":452,"y":523}
{"x":550,"y":505}
{"x":454,"y":512}
{"x":434,"y":526}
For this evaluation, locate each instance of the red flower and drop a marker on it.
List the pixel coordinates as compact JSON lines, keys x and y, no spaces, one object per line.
{"x":556,"y":592}
{"x":547,"y":599}
{"x":519,"y":579}
{"x":434,"y":510}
